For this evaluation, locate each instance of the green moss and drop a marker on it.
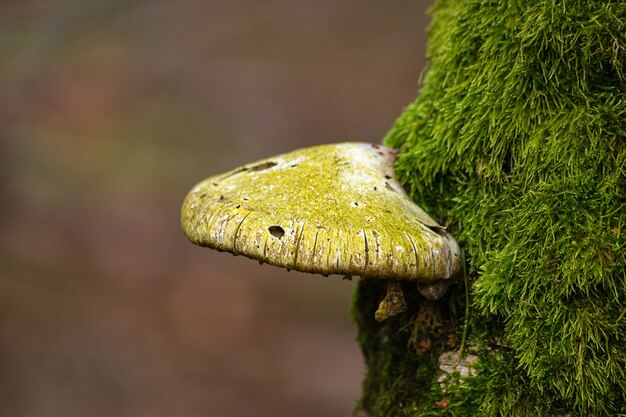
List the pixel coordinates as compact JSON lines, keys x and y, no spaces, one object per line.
{"x":518,"y":141}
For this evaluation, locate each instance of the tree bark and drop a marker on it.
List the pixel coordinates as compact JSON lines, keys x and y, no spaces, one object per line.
{"x":517,"y":141}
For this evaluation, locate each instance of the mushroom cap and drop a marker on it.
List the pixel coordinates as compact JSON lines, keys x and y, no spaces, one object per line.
{"x":329,"y":209}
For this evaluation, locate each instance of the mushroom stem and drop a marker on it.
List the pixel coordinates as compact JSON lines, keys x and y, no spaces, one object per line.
{"x":434,"y":290}
{"x":393,"y":303}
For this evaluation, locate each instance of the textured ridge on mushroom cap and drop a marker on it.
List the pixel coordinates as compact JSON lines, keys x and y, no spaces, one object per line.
{"x":329,"y":209}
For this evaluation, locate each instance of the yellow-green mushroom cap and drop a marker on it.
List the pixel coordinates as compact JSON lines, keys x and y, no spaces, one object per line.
{"x":329,"y":209}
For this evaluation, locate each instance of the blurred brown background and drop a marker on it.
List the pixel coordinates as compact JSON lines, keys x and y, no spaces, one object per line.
{"x":110,"y":111}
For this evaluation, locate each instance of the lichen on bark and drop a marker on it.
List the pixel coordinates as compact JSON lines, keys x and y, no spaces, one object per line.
{"x":517,"y":141}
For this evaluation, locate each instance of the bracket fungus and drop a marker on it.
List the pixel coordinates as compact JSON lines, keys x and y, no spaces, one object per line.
{"x":329,"y":209}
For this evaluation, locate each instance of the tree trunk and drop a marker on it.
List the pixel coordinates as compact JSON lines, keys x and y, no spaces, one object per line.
{"x":517,"y":141}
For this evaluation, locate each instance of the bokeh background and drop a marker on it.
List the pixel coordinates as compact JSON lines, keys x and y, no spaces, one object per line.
{"x":110,"y":111}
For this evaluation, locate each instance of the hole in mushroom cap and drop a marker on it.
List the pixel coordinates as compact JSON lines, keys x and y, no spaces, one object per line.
{"x":276,"y":231}
{"x":253,"y":168}
{"x":441,"y":231}
{"x":261,"y":167}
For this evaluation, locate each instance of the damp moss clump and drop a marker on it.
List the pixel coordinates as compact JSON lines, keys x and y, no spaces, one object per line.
{"x":518,"y":141}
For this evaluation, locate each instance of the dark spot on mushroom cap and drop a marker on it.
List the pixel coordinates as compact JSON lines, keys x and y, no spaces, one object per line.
{"x":441,"y":231}
{"x":263,"y":166}
{"x":276,"y":231}
{"x":254,"y":168}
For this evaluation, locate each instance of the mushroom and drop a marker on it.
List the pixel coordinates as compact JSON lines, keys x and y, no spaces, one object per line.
{"x":329,"y":209}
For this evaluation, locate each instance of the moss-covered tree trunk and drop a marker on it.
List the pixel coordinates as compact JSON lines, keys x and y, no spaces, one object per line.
{"x":517,"y":141}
